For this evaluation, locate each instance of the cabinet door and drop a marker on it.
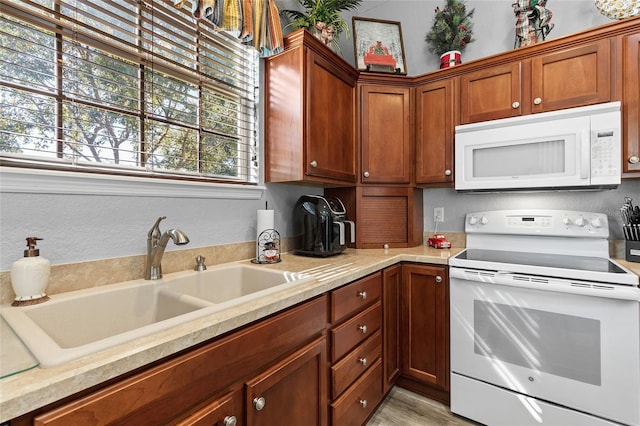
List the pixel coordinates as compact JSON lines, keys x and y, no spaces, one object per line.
{"x":491,"y":93}
{"x":434,"y":132}
{"x":388,"y":216}
{"x":330,"y":99}
{"x":425,"y":325}
{"x":224,"y":411}
{"x":391,"y":280}
{"x":574,"y":77}
{"x":631,"y":104}
{"x":386,"y":134}
{"x":292,"y":392}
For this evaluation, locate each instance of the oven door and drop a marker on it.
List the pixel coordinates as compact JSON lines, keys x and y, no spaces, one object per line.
{"x":575,"y":350}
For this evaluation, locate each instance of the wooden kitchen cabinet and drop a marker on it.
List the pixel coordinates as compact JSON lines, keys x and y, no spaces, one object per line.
{"x":310,"y":114}
{"x":435,"y":128}
{"x":571,"y":77}
{"x":356,"y":350}
{"x":196,"y":384}
{"x":631,"y":104}
{"x":424,"y":331}
{"x":390,"y":216}
{"x":385,"y":134}
{"x":391,"y":284}
{"x":223,"y":411}
{"x":292,"y":392}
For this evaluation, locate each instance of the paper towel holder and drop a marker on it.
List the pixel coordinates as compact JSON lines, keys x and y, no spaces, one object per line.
{"x":268,"y":247}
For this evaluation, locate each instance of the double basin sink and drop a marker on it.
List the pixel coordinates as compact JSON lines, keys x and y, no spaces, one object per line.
{"x":79,"y":323}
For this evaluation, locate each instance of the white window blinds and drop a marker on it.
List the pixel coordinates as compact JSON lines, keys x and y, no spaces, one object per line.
{"x":133,"y":87}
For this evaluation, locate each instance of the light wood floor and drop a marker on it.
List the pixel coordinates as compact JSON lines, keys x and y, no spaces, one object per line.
{"x":404,"y":408}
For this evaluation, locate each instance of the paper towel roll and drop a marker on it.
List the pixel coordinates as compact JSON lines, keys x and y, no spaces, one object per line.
{"x":265,"y":221}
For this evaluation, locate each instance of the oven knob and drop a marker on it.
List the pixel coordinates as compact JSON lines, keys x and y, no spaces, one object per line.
{"x":473,"y":220}
{"x":567,"y":221}
{"x":596,"y":222}
{"x":580,"y":221}
{"x":484,"y":220}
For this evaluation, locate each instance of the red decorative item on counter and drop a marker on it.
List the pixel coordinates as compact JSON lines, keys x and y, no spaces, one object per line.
{"x":439,"y":241}
{"x":450,"y":59}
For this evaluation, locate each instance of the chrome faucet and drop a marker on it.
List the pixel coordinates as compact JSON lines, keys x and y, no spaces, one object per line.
{"x":156,"y":243}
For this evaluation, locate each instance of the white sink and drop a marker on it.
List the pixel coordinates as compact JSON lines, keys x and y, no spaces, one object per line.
{"x":79,"y":323}
{"x":233,"y":283}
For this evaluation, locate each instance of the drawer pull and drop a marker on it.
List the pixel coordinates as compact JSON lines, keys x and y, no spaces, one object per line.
{"x":362,"y":328}
{"x":314,"y":163}
{"x":363,"y":402}
{"x":362,"y":361}
{"x":362,"y":295}
{"x":230,"y":421}
{"x":259,"y":403}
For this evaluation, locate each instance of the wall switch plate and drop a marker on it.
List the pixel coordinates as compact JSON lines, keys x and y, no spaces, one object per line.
{"x":438,"y":214}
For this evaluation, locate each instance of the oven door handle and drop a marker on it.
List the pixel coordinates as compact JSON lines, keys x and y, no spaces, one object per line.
{"x":585,"y":288}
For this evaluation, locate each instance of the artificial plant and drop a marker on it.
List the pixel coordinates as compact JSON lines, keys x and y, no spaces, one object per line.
{"x":452,"y":28}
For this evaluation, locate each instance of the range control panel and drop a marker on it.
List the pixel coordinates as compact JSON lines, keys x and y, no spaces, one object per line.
{"x":539,"y":222}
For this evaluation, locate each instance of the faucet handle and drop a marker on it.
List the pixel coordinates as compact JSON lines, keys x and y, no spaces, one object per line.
{"x":200,"y":266}
{"x":155,"y":229}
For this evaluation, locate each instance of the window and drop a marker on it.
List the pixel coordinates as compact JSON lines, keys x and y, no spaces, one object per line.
{"x":133,"y":87}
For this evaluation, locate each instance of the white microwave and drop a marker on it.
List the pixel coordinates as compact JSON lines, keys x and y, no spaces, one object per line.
{"x":578,"y":148}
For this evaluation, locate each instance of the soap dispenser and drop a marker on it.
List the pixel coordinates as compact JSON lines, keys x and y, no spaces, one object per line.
{"x":30,"y":276}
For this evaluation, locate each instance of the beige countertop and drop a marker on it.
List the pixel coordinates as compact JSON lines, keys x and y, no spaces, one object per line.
{"x":29,"y":390}
{"x":37,"y":387}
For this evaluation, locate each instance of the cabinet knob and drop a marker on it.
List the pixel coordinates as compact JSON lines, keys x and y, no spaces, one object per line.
{"x":258,"y":403}
{"x":365,"y":174}
{"x":362,"y":295}
{"x":362,"y":361}
{"x":634,"y":159}
{"x":363,"y":402}
{"x":385,"y":246}
{"x":447,"y":172}
{"x":230,"y":421}
{"x":314,"y":163}
{"x":537,"y":101}
{"x":362,"y":328}
{"x":515,"y":105}
{"x":438,"y":279}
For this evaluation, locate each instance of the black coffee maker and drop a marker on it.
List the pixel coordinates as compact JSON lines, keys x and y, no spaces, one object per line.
{"x":319,"y":226}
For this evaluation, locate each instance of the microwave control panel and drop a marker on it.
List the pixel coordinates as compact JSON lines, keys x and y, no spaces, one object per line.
{"x":605,"y":153}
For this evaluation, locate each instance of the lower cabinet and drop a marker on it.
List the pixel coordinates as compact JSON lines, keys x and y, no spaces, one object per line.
{"x":277,"y":359}
{"x":424,"y":330}
{"x":356,"y":350}
{"x":292,"y":392}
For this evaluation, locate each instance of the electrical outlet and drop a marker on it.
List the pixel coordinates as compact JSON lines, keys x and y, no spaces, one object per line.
{"x":438,"y":214}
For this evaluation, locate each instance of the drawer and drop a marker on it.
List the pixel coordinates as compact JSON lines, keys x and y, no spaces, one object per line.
{"x":355,"y":363}
{"x":359,"y":401}
{"x":354,"y":331}
{"x":351,"y":298}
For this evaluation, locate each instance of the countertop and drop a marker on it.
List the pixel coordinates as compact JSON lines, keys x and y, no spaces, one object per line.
{"x":37,"y":387}
{"x":24,"y":392}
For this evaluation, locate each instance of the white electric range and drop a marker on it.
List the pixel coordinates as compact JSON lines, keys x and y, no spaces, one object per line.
{"x":545,"y":328}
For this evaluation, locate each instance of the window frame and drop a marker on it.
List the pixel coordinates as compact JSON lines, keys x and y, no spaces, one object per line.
{"x":31,"y":176}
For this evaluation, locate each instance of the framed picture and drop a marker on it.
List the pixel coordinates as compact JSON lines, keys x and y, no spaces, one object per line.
{"x":378,"y":46}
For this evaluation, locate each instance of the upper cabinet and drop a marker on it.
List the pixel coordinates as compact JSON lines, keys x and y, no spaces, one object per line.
{"x":385,"y":133}
{"x":310,"y":114}
{"x":572,"y":77}
{"x":434,"y":132}
{"x":631,"y":104}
